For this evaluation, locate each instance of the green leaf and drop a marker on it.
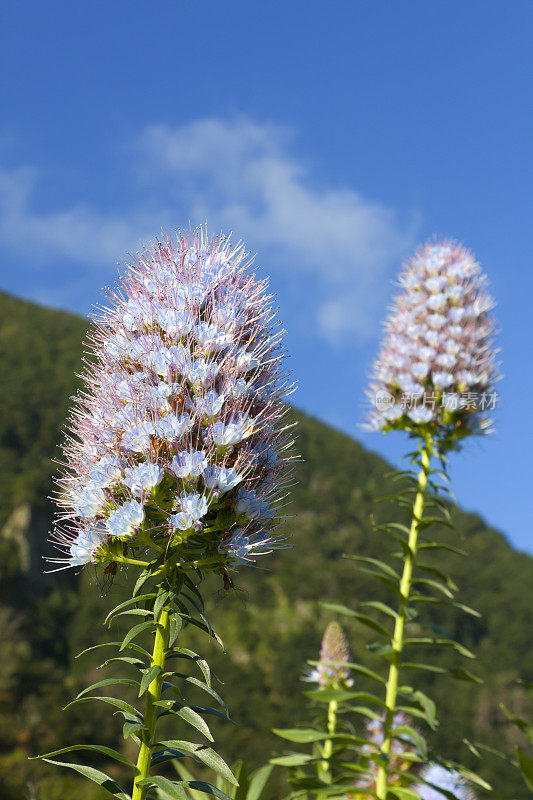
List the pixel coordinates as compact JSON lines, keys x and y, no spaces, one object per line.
{"x":186,"y":713}
{"x":151,"y":674}
{"x":364,"y":619}
{"x":160,"y":601}
{"x":205,"y":754}
{"x":441,"y":546}
{"x":300,"y":735}
{"x":202,"y":786}
{"x":427,"y":640}
{"x":379,"y":606}
{"x":376,"y":563}
{"x":135,"y":647}
{"x":131,"y":601}
{"x":257,"y":782}
{"x":133,"y":632}
{"x":108,"y":682}
{"x":525,"y":763}
{"x":464,"y":675}
{"x":403,"y":793}
{"x":112,"y":701}
{"x":209,"y":690}
{"x":134,"y":662}
{"x":188,"y":777}
{"x":168,"y":754}
{"x":95,"y":776}
{"x":172,"y":789}
{"x":408,"y":733}
{"x":176,"y":624}
{"x":434,"y":584}
{"x":293,"y":760}
{"x":106,"y":751}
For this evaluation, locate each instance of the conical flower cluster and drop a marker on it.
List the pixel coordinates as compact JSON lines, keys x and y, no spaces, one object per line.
{"x":441,"y":778}
{"x":437,"y":362}
{"x":335,"y":648}
{"x":178,"y":441}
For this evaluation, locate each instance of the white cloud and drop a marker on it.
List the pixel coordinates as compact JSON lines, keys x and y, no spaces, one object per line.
{"x":240,"y":176}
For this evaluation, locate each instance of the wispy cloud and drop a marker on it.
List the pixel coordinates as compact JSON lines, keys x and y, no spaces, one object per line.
{"x":240,"y":176}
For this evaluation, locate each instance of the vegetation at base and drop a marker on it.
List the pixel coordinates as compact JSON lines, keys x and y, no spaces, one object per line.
{"x":271,"y":624}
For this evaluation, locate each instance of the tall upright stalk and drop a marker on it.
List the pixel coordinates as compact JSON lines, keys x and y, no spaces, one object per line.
{"x":426,"y":450}
{"x":153,"y":695}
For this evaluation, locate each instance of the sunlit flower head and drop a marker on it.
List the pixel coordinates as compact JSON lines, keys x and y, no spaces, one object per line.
{"x":178,"y":438}
{"x":436,"y":368}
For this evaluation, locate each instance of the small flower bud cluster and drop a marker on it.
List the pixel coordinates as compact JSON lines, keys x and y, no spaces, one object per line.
{"x":178,"y":440}
{"x":436,"y":366}
{"x":442,"y":779}
{"x":334,"y":653}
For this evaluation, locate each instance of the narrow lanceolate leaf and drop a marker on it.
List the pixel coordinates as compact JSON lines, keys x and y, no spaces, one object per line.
{"x":108,"y":682}
{"x":388,"y":570}
{"x":176,"y":624}
{"x":124,"y":707}
{"x":188,"y":778}
{"x":300,"y":735}
{"x":148,"y":677}
{"x":364,"y":619}
{"x":426,"y":640}
{"x":205,"y":754}
{"x":106,"y":751}
{"x":293,"y":760}
{"x":257,"y":782}
{"x":172,"y":789}
{"x":130,"y":602}
{"x":96,"y":776}
{"x":160,"y":601}
{"x":135,"y":631}
{"x":209,"y":690}
{"x":187,"y":714}
{"x":379,"y":606}
{"x":135,"y":647}
{"x":409,"y":734}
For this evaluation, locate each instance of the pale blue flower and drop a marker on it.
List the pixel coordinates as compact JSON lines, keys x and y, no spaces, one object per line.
{"x":193,"y":508}
{"x":242,"y":548}
{"x":86,"y":544}
{"x":89,"y":501}
{"x":123,"y":520}
{"x":421,"y":414}
{"x":202,"y":373}
{"x":172,"y":427}
{"x":143,"y":478}
{"x":211,"y":403}
{"x":232,"y":432}
{"x":222,"y":478}
{"x":138,"y":439}
{"x":250,"y":505}
{"x":189,"y":464}
{"x":442,"y":380}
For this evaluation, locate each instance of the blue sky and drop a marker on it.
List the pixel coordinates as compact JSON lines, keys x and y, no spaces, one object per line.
{"x":330,"y":136}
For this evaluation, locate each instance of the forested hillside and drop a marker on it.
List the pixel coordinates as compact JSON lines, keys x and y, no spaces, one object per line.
{"x":270,"y":624}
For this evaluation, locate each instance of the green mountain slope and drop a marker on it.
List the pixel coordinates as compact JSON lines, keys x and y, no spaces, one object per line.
{"x":270,"y":625}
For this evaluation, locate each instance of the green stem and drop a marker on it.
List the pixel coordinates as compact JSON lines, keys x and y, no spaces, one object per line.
{"x":327,"y":750}
{"x":153,"y":694}
{"x":426,"y":450}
